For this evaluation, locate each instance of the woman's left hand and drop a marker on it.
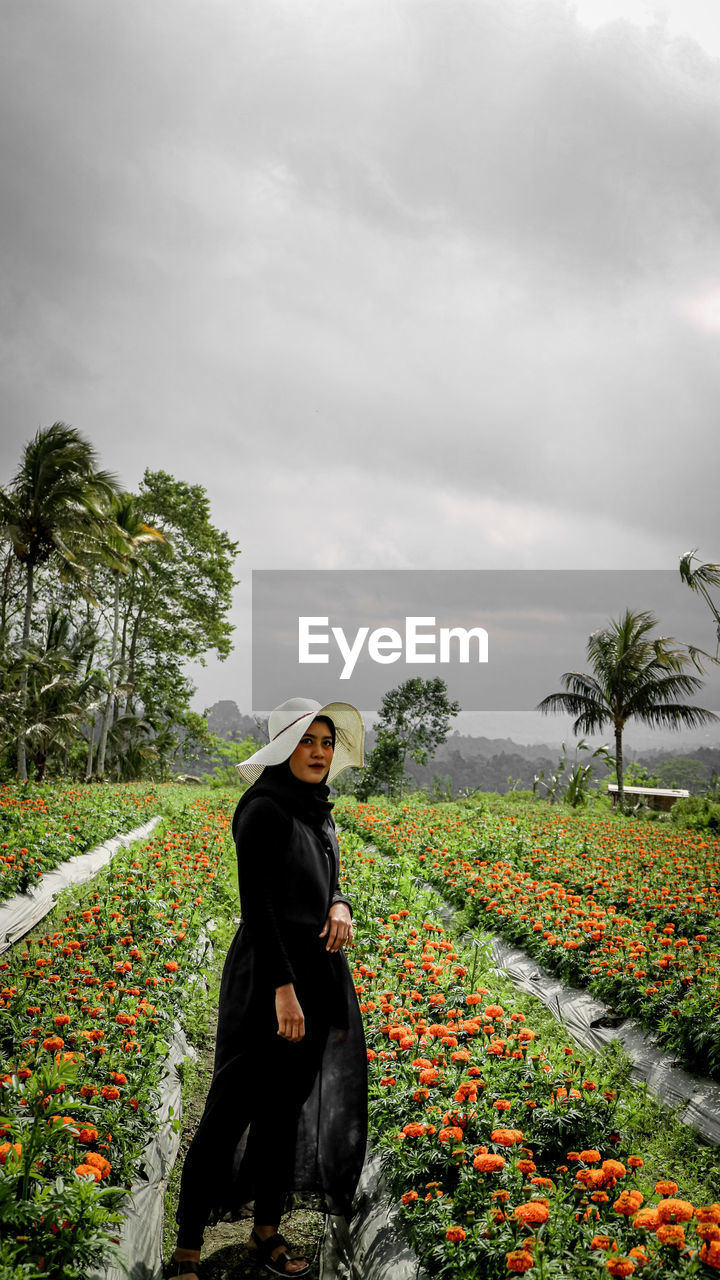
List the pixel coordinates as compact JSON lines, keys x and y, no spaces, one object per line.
{"x":338,"y":927}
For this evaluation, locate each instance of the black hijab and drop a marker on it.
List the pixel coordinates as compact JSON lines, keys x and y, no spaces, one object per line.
{"x":308,"y":801}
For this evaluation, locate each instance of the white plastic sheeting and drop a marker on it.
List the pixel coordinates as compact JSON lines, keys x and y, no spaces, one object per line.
{"x":583,"y":1016}
{"x":371,"y":1246}
{"x":21,"y":913}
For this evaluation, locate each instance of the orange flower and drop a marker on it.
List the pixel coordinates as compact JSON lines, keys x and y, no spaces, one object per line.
{"x":98,"y":1162}
{"x":526,"y":1166}
{"x":613,"y":1169}
{"x":408,"y":1197}
{"x":7,"y":1147}
{"x":53,"y":1043}
{"x":666,"y":1188}
{"x":534,"y":1212}
{"x":451,"y":1134}
{"x":620,"y":1266}
{"x":455,"y":1235}
{"x":710,"y":1254}
{"x":628,"y":1202}
{"x":88,"y":1134}
{"x":413,"y":1130}
{"x":519,"y":1260}
{"x":506,"y":1137}
{"x":502,"y":1104}
{"x":647,"y":1219}
{"x":708,"y":1213}
{"x":602,"y":1242}
{"x":675,"y":1210}
{"x":109,"y":1092}
{"x":671,"y":1233}
{"x":83,"y":1170}
{"x":494,"y":1011}
{"x":488,"y":1163}
{"x":590,"y":1157}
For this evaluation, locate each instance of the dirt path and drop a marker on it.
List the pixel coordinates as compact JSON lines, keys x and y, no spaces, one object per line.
{"x":225,"y":1252}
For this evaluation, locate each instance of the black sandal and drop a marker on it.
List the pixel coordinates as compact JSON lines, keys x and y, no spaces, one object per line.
{"x":181,"y":1267}
{"x":278,"y":1266}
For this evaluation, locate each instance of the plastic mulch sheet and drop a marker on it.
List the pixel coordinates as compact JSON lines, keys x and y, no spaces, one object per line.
{"x":371,"y":1245}
{"x":583,"y":1016}
{"x":21,"y":913}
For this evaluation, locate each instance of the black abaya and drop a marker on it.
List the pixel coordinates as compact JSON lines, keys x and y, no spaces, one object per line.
{"x":281,"y":1116}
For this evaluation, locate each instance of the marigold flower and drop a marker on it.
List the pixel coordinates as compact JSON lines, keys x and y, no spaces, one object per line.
{"x":613,"y":1169}
{"x":526,"y":1166}
{"x":620,"y":1266}
{"x":533,"y":1212}
{"x":494,"y":1011}
{"x":172,"y":966}
{"x":671,"y":1233}
{"x":628,"y":1202}
{"x":708,"y":1213}
{"x":638,"y":1254}
{"x":88,"y":1133}
{"x":506,"y":1137}
{"x":502,"y":1104}
{"x":96,"y":1161}
{"x":710,"y":1254}
{"x":413,"y":1130}
{"x":519,"y":1260}
{"x":7,"y":1147}
{"x":666,"y":1188}
{"x":635,"y":1162}
{"x":83,"y":1170}
{"x":450,"y":1134}
{"x":489,"y":1163}
{"x":675,"y":1210}
{"x":455,"y":1235}
{"x":603,"y":1242}
{"x":647,"y":1219}
{"x":589,"y":1156}
{"x":109,"y":1092}
{"x":408,"y":1197}
{"x":53,"y":1043}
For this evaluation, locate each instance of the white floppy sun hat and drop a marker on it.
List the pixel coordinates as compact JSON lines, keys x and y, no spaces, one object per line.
{"x":288,"y":723}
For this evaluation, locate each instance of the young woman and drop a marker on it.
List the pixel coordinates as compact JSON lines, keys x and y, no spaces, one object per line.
{"x":287,"y":1106}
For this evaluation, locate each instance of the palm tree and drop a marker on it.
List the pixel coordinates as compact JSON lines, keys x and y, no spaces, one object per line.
{"x":132,"y":533}
{"x":53,"y":512}
{"x":701,"y":580}
{"x":634,"y":677}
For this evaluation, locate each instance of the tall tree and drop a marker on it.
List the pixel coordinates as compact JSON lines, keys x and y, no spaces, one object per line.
{"x":179,"y":612}
{"x":633,"y":677}
{"x":413,"y":720}
{"x":130,"y":535}
{"x":54,"y":513}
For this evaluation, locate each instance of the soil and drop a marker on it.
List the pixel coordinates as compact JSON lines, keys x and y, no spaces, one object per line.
{"x":225,"y":1253}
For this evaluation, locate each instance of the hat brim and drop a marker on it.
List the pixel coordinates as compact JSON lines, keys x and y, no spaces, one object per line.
{"x":349,"y":742}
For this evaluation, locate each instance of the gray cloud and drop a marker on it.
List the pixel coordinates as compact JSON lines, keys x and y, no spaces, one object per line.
{"x":434,"y":261}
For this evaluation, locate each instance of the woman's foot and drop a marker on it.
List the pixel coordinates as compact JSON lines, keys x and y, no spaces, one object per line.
{"x":273,"y":1250}
{"x":175,"y":1270}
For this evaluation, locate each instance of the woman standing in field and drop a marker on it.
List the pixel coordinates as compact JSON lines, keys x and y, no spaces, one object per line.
{"x":287,"y":1106}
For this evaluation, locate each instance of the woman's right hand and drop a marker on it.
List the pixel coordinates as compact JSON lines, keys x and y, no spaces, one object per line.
{"x":291,"y":1021}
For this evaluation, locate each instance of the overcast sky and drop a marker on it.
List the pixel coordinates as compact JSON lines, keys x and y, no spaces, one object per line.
{"x":403,"y":283}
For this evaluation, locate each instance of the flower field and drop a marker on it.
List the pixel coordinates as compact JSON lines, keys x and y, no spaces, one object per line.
{"x":630,"y":912}
{"x":505,"y":1148}
{"x":504,"y":1145}
{"x":87,"y":1009}
{"x":42,"y":826}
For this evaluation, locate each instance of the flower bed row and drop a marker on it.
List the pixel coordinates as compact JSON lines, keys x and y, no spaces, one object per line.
{"x":507,"y":1153}
{"x":41,"y":826}
{"x":637,"y":965}
{"x":87,"y":1009}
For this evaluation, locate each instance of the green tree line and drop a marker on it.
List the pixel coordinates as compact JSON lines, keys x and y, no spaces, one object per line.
{"x":105,"y":596}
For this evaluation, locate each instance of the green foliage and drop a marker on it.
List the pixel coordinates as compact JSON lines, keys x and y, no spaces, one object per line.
{"x":413,"y":720}
{"x":225,"y":756}
{"x":633,"y":677}
{"x":104,"y":599}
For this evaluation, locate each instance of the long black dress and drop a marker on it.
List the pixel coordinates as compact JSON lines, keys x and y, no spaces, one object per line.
{"x":281,"y":1116}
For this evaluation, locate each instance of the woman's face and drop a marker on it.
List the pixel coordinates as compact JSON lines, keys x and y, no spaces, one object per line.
{"x":313,"y":754}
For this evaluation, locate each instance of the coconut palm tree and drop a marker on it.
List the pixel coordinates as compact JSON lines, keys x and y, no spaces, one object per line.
{"x":633,"y":677}
{"x":701,"y":580}
{"x":53,"y":512}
